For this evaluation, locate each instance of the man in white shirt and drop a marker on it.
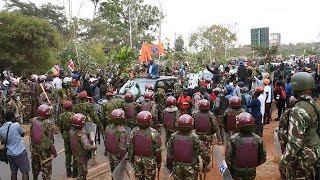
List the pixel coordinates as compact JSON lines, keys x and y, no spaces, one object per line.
{"x":262,"y":100}
{"x":268,"y":101}
{"x":57,"y":82}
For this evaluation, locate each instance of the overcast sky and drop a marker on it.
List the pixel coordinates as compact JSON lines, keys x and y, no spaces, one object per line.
{"x":296,"y":20}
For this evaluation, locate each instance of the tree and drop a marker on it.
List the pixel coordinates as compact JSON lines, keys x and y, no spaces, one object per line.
{"x":53,"y":13}
{"x":216,"y":39}
{"x":143,"y":17}
{"x":95,"y":3}
{"x":179,"y":44}
{"x":28,"y":44}
{"x":123,"y":58}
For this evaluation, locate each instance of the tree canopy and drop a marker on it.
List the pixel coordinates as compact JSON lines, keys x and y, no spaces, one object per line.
{"x":27,"y":43}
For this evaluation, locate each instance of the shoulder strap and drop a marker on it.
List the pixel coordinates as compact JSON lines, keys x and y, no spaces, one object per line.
{"x":5,"y":145}
{"x":114,"y":104}
{"x":318,"y":117}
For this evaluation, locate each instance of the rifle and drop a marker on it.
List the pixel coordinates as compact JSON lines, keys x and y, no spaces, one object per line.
{"x":158,"y":177}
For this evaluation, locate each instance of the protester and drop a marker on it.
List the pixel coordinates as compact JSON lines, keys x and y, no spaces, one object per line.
{"x":16,"y":150}
{"x":267,"y":94}
{"x":280,"y":97}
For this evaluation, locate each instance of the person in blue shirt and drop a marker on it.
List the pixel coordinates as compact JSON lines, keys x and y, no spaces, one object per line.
{"x":152,"y":70}
{"x":289,"y":91}
{"x":255,"y":106}
{"x":16,"y":150}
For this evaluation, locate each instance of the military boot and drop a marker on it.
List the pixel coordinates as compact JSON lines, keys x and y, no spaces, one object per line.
{"x":74,"y":173}
{"x":68,"y":172}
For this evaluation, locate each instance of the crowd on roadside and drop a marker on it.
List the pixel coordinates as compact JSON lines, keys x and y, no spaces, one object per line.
{"x":247,"y":90}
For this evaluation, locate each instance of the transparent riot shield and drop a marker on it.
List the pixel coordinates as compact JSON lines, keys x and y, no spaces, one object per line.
{"x":124,"y":170}
{"x":221,"y":163}
{"x":277,"y":153}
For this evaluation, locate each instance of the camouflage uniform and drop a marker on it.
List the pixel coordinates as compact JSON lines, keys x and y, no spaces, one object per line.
{"x":227,"y":113}
{"x":35,"y":93}
{"x":15,"y":105}
{"x":207,"y":138}
{"x":83,"y":149}
{"x":154,"y":112}
{"x":184,"y":171}
{"x":235,"y":141}
{"x":64,"y":123}
{"x":145,"y":167}
{"x":131,"y":122}
{"x":52,"y":97}
{"x":24,"y":90}
{"x":169,"y":132}
{"x":66,"y":94}
{"x":108,"y":107}
{"x":301,"y":156}
{"x":42,"y":152}
{"x":121,"y":132}
{"x":87,"y":109}
{"x":160,"y":100}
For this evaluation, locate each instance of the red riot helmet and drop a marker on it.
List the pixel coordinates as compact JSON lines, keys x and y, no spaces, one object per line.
{"x":235,"y":102}
{"x":44,"y":111}
{"x":185,"y":123}
{"x":78,"y":120}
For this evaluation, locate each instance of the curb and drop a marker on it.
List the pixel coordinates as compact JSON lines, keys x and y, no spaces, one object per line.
{"x":98,"y":170}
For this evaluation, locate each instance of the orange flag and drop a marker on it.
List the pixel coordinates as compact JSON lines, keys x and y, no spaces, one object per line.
{"x":150,"y":49}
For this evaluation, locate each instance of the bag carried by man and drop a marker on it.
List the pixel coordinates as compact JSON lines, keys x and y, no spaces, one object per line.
{"x":3,"y":149}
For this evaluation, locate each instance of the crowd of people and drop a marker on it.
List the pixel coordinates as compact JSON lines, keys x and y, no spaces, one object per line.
{"x":228,"y":109}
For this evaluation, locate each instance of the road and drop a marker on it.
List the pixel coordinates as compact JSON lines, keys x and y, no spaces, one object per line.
{"x":58,"y":170}
{"x":267,"y":171}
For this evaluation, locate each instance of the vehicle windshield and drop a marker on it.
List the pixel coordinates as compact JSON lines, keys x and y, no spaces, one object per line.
{"x":130,"y":86}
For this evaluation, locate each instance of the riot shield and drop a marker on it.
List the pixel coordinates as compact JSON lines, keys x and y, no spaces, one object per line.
{"x":276,"y":146}
{"x":124,"y":170}
{"x":221,"y":163}
{"x":91,"y":129}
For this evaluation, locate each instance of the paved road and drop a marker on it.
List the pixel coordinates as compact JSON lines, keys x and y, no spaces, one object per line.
{"x":58,"y":170}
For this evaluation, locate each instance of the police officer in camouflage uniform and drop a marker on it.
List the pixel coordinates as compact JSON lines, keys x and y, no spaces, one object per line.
{"x":131,"y":109}
{"x":80,"y":145}
{"x":205,"y":124}
{"x":170,"y":116}
{"x":220,"y":105}
{"x":150,"y":105}
{"x":301,"y":157}
{"x":245,"y":150}
{"x":116,"y":136}
{"x":160,"y":99}
{"x":34,"y":94}
{"x":42,"y":146}
{"x":145,"y":148}
{"x":88,"y":110}
{"x":64,"y":123}
{"x":229,"y":117}
{"x":24,"y":90}
{"x":108,"y":107}
{"x":184,"y":148}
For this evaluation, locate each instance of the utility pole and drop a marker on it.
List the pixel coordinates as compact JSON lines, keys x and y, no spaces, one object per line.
{"x":130,"y":25}
{"x":160,"y":23}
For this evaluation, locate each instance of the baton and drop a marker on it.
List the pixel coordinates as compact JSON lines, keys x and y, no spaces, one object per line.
{"x":50,"y":158}
{"x":45,"y":93}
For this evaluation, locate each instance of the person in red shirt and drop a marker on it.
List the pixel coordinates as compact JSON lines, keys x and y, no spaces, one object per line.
{"x":184,"y":102}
